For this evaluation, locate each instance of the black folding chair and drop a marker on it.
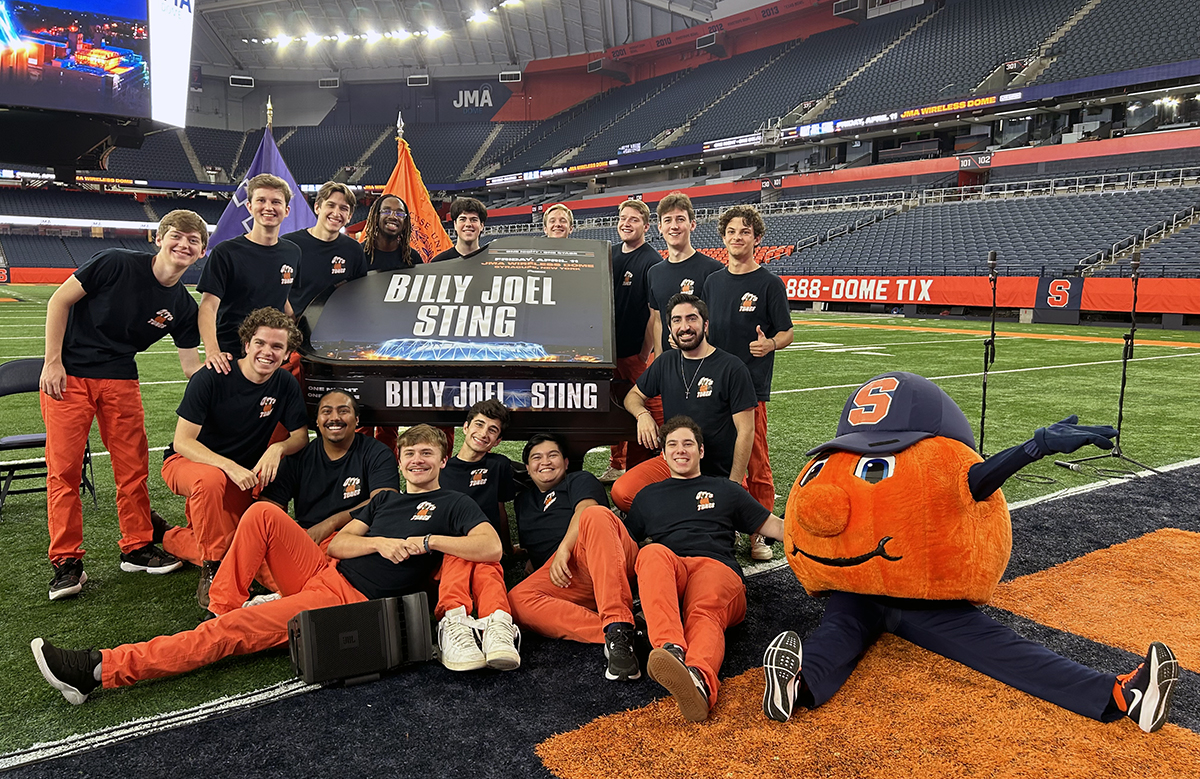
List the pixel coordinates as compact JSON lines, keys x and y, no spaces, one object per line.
{"x":18,"y":377}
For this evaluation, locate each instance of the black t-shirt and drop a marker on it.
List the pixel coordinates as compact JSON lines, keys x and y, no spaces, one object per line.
{"x":668,"y":279}
{"x":710,"y":391}
{"x":246,"y":276}
{"x":401,"y":515}
{"x":323,"y":265}
{"x":695,"y":517}
{"x":124,"y":312}
{"x":237,"y":416}
{"x":385,"y":261}
{"x":543,"y":517}
{"x":488,"y":482}
{"x":737,"y":304}
{"x":452,"y":254}
{"x":631,"y":295}
{"x":321,"y":487}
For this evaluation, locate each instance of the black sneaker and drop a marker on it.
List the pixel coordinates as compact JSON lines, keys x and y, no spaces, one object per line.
{"x":70,"y":671}
{"x":161,"y":526}
{"x":618,"y":648}
{"x":208,"y":571}
{"x":1149,"y":687}
{"x":781,"y":669}
{"x":685,"y":683}
{"x":68,"y":580}
{"x":149,"y":559}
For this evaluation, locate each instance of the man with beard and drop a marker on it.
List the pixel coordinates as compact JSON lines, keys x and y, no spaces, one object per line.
{"x":386,"y":237}
{"x":685,"y":269}
{"x":334,"y":474}
{"x":699,"y":381}
{"x":469,"y":217}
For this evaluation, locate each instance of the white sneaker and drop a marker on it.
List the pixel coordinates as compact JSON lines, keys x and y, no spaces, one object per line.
{"x":611,"y":475}
{"x":456,"y":642}
{"x":760,"y":550}
{"x":501,"y":642}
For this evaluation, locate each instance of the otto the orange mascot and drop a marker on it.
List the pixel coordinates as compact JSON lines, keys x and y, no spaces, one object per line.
{"x":904,"y":527}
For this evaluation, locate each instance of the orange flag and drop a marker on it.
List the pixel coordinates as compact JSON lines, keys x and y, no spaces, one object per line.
{"x":428,"y":236}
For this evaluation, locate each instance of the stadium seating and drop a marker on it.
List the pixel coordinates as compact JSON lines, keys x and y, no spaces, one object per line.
{"x":215,"y":148}
{"x":35,"y":251}
{"x":15,"y":201}
{"x":951,"y":54}
{"x":806,"y":72}
{"x":161,"y":158}
{"x":210,"y":210}
{"x":315,"y":155}
{"x":1177,"y":256}
{"x":1127,"y":34}
{"x":1031,"y":235}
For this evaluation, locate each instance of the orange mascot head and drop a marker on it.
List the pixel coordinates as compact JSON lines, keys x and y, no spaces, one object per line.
{"x":884,"y":508}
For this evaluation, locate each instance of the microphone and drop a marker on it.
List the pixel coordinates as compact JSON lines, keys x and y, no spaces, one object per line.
{"x":1068,"y":466}
{"x":991,"y":263}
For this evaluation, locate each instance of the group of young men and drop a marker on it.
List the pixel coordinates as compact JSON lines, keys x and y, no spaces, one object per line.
{"x":241,"y":454}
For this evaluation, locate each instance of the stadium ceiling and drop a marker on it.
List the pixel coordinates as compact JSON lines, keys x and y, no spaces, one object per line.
{"x":441,"y":37}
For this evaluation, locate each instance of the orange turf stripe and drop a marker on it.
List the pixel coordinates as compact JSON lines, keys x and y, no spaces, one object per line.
{"x":904,"y":712}
{"x":1005,"y":333}
{"x":1125,"y":596}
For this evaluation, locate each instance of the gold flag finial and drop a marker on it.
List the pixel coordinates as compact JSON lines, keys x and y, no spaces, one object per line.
{"x":270,"y":112}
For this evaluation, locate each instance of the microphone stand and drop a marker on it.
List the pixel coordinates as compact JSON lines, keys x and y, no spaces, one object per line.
{"x":1135,"y":265}
{"x":989,"y":349}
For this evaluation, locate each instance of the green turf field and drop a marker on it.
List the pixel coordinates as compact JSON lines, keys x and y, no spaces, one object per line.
{"x":1035,"y":381}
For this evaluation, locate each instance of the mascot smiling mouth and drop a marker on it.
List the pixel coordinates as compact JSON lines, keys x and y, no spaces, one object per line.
{"x":846,"y":562}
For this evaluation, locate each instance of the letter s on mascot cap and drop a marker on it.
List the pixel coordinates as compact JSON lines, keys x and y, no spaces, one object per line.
{"x":885,"y":508}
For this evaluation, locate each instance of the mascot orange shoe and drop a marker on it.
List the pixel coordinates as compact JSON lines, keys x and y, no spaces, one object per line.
{"x":904,"y":527}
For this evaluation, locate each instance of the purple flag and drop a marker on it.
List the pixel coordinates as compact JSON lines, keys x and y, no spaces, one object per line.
{"x":236,"y":219}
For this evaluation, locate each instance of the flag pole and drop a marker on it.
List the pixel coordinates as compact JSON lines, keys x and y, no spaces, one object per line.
{"x":270,"y":113}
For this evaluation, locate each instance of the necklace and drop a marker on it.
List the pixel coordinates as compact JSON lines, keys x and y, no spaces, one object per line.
{"x":687,"y":385}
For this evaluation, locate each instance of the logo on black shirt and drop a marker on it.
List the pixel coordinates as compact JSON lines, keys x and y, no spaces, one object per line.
{"x":688,"y":286}
{"x":478,"y":477}
{"x":549,"y":500}
{"x":424,"y":509}
{"x":704,"y":388}
{"x":268,"y":405}
{"x":338,"y":266}
{"x":704,"y":501}
{"x":628,"y":280}
{"x":161,"y":318}
{"x":748,"y":301}
{"x":351,"y":487}
{"x":285,"y":274}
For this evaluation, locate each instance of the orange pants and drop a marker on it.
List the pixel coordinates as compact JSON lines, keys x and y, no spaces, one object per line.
{"x":760,"y":482}
{"x":471,"y":585}
{"x":117,"y":405}
{"x":602,"y":564}
{"x":626,"y":488}
{"x":627,"y":454}
{"x":214,"y":507}
{"x":307,"y":579}
{"x":690,"y":601}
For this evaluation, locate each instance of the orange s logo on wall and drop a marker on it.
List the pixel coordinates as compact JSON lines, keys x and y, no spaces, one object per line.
{"x":1059,"y":293}
{"x":873,"y":401}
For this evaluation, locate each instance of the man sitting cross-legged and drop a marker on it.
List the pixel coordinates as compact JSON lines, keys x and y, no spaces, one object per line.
{"x":336,"y":473}
{"x":466,"y":587}
{"x":222,"y":450}
{"x":390,"y":548}
{"x":689,"y":580}
{"x":583,"y":556}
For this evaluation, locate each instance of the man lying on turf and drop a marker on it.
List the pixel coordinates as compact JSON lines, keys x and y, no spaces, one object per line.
{"x":390,"y":548}
{"x":690,"y":566}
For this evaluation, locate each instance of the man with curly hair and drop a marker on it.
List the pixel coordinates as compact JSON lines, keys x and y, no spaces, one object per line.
{"x":222,"y":452}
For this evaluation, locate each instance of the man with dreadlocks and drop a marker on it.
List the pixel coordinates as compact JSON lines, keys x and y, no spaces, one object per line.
{"x":386,"y":237}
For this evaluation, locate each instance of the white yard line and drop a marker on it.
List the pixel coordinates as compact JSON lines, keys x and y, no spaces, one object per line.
{"x":993,"y":373}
